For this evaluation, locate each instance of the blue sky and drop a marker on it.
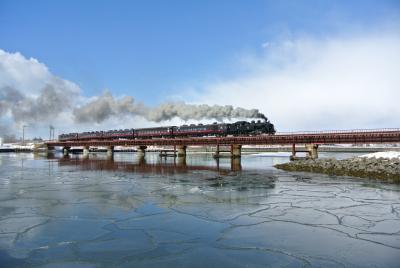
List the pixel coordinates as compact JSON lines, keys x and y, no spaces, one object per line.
{"x":282,"y":57}
{"x":149,"y":49}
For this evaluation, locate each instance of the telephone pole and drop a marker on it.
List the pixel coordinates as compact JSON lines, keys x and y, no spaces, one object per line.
{"x":51,"y":135}
{"x":23,"y":134}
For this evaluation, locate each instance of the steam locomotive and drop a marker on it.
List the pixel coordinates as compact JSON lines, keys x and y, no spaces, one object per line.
{"x":200,"y":130}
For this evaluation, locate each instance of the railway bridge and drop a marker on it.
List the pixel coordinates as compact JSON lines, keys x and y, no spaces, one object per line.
{"x":311,"y":140}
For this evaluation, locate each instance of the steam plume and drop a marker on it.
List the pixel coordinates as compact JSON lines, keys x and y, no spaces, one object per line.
{"x":47,"y":105}
{"x":106,"y":106}
{"x":31,"y":94}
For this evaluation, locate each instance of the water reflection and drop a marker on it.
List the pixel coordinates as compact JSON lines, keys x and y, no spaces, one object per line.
{"x":142,"y":164}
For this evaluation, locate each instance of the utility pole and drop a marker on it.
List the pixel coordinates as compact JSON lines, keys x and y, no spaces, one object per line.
{"x":51,"y":135}
{"x":23,"y":134}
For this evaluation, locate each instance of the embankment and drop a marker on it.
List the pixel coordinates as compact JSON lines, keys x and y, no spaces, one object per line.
{"x":363,"y":167}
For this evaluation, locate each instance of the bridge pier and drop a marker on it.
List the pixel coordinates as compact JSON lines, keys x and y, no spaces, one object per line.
{"x":181,"y":161}
{"x":141,"y":159}
{"x":236,"y":150}
{"x":110,"y":151}
{"x":86,"y":151}
{"x":216,"y":155}
{"x":65,"y":150}
{"x":181,"y":150}
{"x":293,"y":156}
{"x":49,"y":148}
{"x":312,"y":151}
{"x":236,"y":164}
{"x":217,"y":162}
{"x":141,"y":150}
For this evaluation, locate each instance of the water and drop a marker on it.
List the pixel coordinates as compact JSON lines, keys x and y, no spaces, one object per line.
{"x":132,"y":212}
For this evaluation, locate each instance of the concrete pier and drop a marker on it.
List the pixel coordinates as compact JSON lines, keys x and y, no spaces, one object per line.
{"x":312,"y":151}
{"x":85,"y":151}
{"x":110,"y":151}
{"x":181,"y":150}
{"x":141,"y":150}
{"x":236,"y":150}
{"x":293,"y":152}
{"x":181,"y":161}
{"x":216,"y":155}
{"x":65,"y":150}
{"x":48,"y":148}
{"x":236,"y":164}
{"x":293,"y":156}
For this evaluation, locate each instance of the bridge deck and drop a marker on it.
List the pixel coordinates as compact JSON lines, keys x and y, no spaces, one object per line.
{"x":345,"y":137}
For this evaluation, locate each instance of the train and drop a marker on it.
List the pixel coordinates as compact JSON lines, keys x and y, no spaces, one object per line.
{"x":238,"y":128}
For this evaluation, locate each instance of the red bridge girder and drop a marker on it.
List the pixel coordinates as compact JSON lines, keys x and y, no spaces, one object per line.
{"x":345,"y":137}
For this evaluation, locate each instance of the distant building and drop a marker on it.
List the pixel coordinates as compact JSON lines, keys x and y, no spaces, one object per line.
{"x":37,"y":140}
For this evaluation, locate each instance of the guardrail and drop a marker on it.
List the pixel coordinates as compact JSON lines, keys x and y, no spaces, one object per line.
{"x":377,"y":130}
{"x":362,"y":137}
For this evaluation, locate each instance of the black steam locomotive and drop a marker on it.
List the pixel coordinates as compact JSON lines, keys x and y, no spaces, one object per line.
{"x":200,"y":130}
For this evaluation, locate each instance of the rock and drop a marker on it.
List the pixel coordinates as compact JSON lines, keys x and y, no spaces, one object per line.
{"x":375,"y":168}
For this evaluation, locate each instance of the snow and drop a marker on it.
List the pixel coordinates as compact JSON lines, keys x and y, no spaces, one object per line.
{"x":275,"y":154}
{"x":389,"y":155}
{"x":16,"y":146}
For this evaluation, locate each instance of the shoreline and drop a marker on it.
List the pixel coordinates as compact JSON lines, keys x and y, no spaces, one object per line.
{"x":384,"y":169}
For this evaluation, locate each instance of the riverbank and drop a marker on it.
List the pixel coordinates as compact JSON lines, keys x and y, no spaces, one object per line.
{"x":387,"y":169}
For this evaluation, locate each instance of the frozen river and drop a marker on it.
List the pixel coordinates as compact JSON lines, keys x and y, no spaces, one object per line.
{"x":152,"y":212}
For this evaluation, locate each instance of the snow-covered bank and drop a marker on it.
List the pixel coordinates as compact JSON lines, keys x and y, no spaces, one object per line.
{"x":387,"y":155}
{"x":272,"y":154}
{"x":16,"y":148}
{"x":387,"y":169}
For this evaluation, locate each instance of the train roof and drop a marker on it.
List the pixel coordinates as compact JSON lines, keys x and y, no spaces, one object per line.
{"x":150,"y":128}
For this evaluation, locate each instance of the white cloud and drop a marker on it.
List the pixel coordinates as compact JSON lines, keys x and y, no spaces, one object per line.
{"x":28,"y":76}
{"x":311,"y":84}
{"x":31,"y":94}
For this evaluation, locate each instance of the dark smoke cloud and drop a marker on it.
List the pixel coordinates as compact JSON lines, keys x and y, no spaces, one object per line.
{"x":106,"y":106}
{"x":51,"y":101}
{"x":185,"y":111}
{"x":54,"y":99}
